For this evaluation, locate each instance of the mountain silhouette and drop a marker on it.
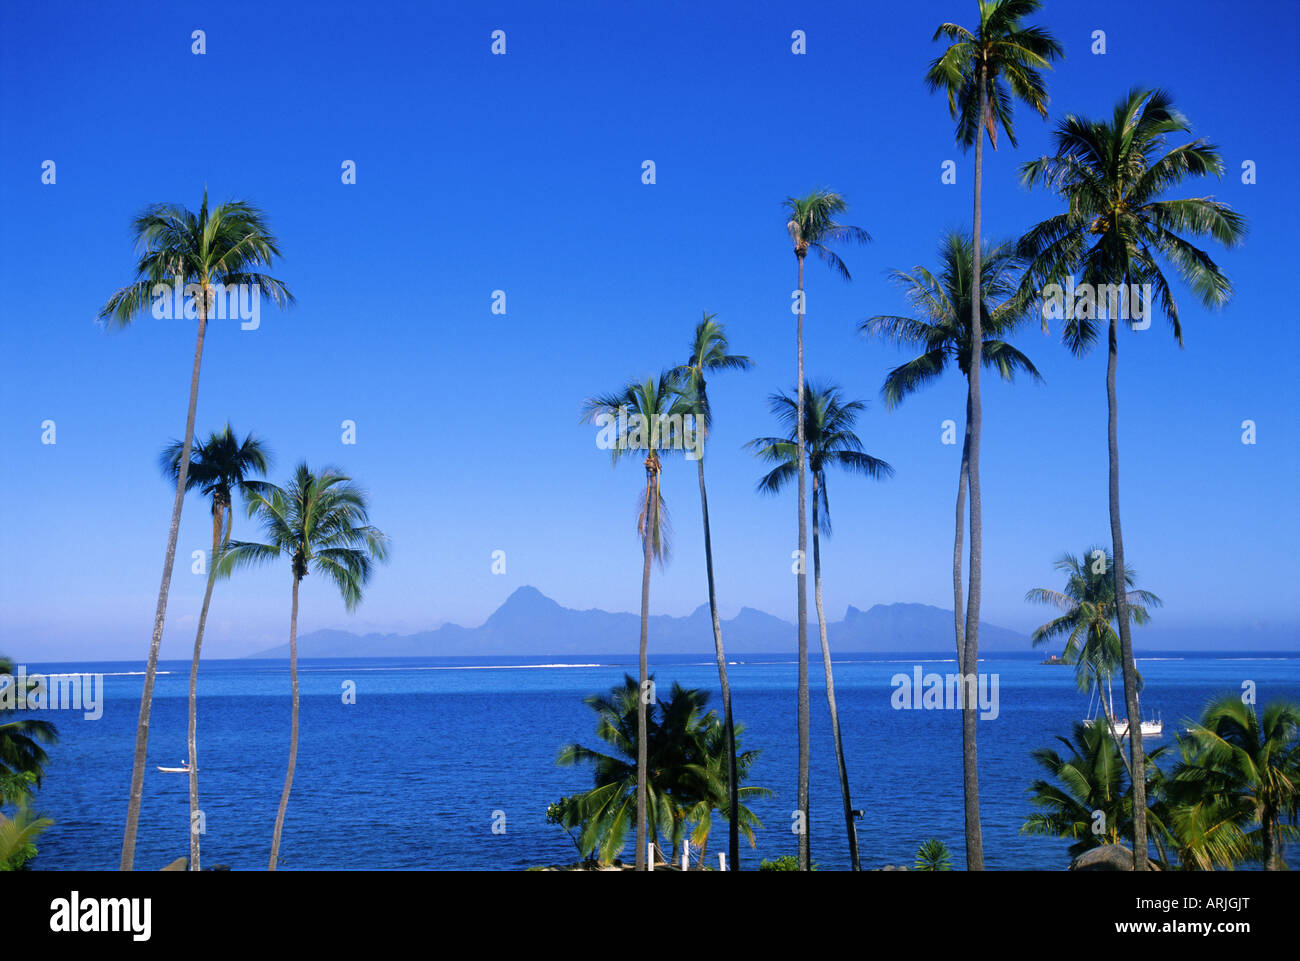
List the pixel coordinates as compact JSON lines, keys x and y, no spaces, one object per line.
{"x":529,"y":623}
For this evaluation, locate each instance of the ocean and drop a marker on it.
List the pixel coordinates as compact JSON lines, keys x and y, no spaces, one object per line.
{"x":436,"y":752}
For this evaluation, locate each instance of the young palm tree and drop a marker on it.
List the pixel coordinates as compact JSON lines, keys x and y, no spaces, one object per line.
{"x":1087,"y":607}
{"x":721,"y":768}
{"x":982,"y":72}
{"x":224,"y":246}
{"x":942,"y":330}
{"x":644,"y":417}
{"x":828,"y":422}
{"x":22,"y":759}
{"x":1251,"y":765}
{"x":218,"y":466}
{"x":1115,"y":231}
{"x":812,"y":226}
{"x":320,"y":522}
{"x":708,"y":354}
{"x":686,"y":778}
{"x":1091,"y":780}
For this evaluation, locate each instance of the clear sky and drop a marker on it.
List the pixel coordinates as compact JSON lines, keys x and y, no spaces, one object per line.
{"x":523,"y":173}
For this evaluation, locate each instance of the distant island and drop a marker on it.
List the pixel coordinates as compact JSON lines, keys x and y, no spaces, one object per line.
{"x":529,"y":623}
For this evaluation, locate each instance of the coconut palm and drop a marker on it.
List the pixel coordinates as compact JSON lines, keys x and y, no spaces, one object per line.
{"x":646,"y":416}
{"x":1247,"y":767}
{"x":1091,"y":803}
{"x":828,"y":422}
{"x":708,"y":354}
{"x":218,"y":467}
{"x":1114,"y":233}
{"x":812,"y":226}
{"x":1087,"y":607}
{"x":22,"y":759}
{"x":941,"y":329}
{"x":983,"y":71}
{"x":320,"y":522}
{"x":686,"y":750}
{"x":713,"y":788}
{"x":224,"y":247}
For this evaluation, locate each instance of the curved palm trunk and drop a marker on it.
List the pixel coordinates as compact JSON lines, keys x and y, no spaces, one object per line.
{"x":970,"y":767}
{"x":160,"y":614}
{"x":805,"y":852}
{"x":293,"y":728}
{"x":1137,"y":758}
{"x":651,"y":503}
{"x":192,"y":735}
{"x":830,"y":688}
{"x":733,"y":798}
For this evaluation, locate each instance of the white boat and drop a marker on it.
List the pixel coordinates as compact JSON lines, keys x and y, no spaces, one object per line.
{"x":176,"y":770}
{"x":1152,"y":728}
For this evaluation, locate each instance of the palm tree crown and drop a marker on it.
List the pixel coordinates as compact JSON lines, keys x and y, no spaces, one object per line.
{"x":812,"y":226}
{"x":942,"y":325}
{"x":1000,"y":55}
{"x":218,"y":466}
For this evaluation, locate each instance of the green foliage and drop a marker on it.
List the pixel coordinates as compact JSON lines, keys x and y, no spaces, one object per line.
{"x":933,"y":855}
{"x":786,"y":862}
{"x":18,"y":839}
{"x":687,"y":759}
{"x":22,"y":759}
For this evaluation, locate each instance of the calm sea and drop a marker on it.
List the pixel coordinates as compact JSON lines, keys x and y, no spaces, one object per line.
{"x":411,"y":774}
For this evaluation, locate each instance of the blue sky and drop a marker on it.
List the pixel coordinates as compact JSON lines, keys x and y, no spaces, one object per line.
{"x":522,"y":173}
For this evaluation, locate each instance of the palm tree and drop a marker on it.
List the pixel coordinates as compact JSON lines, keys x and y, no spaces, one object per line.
{"x":686,"y":749}
{"x":225,"y":247}
{"x":828,"y":422}
{"x":646,"y":417}
{"x":933,"y":855}
{"x":1092,"y":780}
{"x":1087,"y":607}
{"x":1248,"y":766}
{"x":942,"y":329}
{"x":218,"y":466}
{"x":720,"y":770}
{"x":321,"y":523}
{"x":1115,"y":231}
{"x":22,"y":759}
{"x":708,"y":353}
{"x":812,"y":226}
{"x":981,"y":71}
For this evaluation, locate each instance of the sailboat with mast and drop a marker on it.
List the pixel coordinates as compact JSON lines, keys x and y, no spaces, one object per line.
{"x":1119,"y":726}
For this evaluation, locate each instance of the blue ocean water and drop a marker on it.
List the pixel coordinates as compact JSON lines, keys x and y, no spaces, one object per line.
{"x":411,"y":774}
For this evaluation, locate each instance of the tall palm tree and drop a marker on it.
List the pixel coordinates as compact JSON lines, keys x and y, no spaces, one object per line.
{"x":811,"y":225}
{"x":225,"y":246}
{"x":22,"y":759}
{"x":828,"y":422}
{"x":1115,"y":231}
{"x":218,"y":466}
{"x":320,"y":522}
{"x":708,"y":353}
{"x":1252,"y":766}
{"x":942,"y":329}
{"x":645,"y":416}
{"x":983,"y":71}
{"x":1088,"y":610}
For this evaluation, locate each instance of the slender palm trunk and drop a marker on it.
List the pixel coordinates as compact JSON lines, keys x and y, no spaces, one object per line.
{"x":958,"y":592}
{"x":1137,"y":758}
{"x":830,"y":688}
{"x":1266,"y":824}
{"x":192,"y":735}
{"x":970,"y":767}
{"x":805,"y":852}
{"x":293,"y":728}
{"x":651,"y":503}
{"x":733,"y":799}
{"x":160,"y":614}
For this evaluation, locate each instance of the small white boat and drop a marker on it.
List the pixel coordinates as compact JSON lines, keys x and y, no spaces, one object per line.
{"x":1153,"y":728}
{"x":176,"y":770}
